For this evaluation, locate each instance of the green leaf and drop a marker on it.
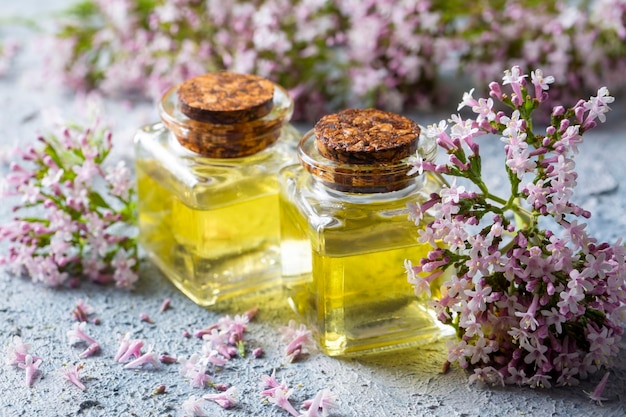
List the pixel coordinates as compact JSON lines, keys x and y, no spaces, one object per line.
{"x":241,"y":348}
{"x":97,"y":200}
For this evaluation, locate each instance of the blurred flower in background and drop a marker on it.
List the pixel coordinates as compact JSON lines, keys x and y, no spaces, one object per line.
{"x":337,"y":53}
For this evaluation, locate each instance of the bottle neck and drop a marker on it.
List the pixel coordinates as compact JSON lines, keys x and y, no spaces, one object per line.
{"x":225,"y":141}
{"x":366,"y":195}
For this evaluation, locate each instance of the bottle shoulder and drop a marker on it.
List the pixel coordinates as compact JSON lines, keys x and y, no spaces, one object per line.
{"x":300,"y":183}
{"x":194,"y":177}
{"x":156,"y":143}
{"x":318,"y":202}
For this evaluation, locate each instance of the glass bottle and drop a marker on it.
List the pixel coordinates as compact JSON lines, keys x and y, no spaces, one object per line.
{"x":208,"y":187}
{"x":346,"y":233}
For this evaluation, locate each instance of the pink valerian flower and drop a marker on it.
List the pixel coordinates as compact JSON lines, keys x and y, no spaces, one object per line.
{"x":17,"y":351}
{"x":195,"y":370}
{"x":147,"y":358}
{"x":119,"y":180}
{"x":226,"y":399}
{"x":91,"y":350}
{"x":278,"y":393}
{"x":167,"y":359}
{"x":491,"y":37}
{"x":75,"y":235}
{"x":124,"y":273}
{"x":384,"y":63}
{"x":596,"y":395}
{"x":299,"y":340}
{"x":534,"y":299}
{"x":145,"y":317}
{"x":227,"y":335}
{"x":77,"y":334}
{"x":82,"y":311}
{"x":31,"y":367}
{"x":321,"y":405}
{"x":165,"y":305}
{"x":487,"y":375}
{"x":541,"y":83}
{"x":192,"y":407}
{"x":280,"y":398}
{"x":270,"y":384}
{"x":129,"y":348}
{"x":123,"y":345}
{"x":72,"y":375}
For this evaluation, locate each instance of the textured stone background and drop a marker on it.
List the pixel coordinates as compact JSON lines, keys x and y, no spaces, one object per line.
{"x":399,"y":384}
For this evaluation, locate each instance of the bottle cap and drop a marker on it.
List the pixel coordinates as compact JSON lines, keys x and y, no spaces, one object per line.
{"x":366,"y":136}
{"x":226,"y":97}
{"x":361,"y":150}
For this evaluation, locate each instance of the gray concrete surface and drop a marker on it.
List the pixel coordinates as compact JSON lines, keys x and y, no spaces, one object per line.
{"x":399,"y":384}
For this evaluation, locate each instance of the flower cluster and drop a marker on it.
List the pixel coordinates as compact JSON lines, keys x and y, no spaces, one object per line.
{"x":580,"y":43}
{"x":221,"y":342}
{"x":328,"y":54}
{"x":66,"y":228}
{"x":334,"y":54}
{"x":535,"y":299}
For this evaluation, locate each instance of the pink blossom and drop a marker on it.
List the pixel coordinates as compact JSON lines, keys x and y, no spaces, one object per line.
{"x":124,"y":343}
{"x":280,"y":398}
{"x":78,"y":334}
{"x":299,"y":340}
{"x":321,"y":405}
{"x":145,"y":317}
{"x":526,"y":271}
{"x":82,"y":311}
{"x":195,"y":369}
{"x":168,"y":359}
{"x":91,"y":350}
{"x":540,"y":82}
{"x":149,"y":357}
{"x":129,"y":348}
{"x":165,"y":305}
{"x":193,"y":407}
{"x":72,"y":375}
{"x":17,"y":351}
{"x":31,"y":366}
{"x":226,"y":399}
{"x":596,"y":395}
{"x":468,"y":100}
{"x":124,"y":275}
{"x":271,"y":384}
{"x":528,"y":319}
{"x":119,"y":180}
{"x":597,"y":106}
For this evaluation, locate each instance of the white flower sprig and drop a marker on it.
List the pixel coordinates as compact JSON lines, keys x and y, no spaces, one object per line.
{"x":535,"y":300}
{"x":76,"y":215}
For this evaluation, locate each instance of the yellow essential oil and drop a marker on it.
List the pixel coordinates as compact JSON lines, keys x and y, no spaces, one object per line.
{"x":211,"y":223}
{"x":344,"y":252}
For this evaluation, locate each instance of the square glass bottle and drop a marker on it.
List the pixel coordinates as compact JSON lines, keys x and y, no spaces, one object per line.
{"x":346,"y":233}
{"x":208,"y":188}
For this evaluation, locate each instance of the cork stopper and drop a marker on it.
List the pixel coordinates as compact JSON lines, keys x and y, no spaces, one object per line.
{"x":366,"y":136}
{"x":361,"y":150}
{"x":226,"y":97}
{"x":226,"y":115}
